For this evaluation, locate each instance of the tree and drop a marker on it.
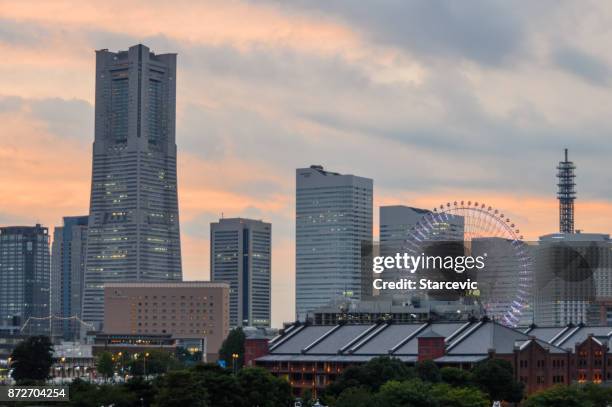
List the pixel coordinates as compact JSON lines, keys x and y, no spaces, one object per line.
{"x":262,"y":389}
{"x":105,"y":365}
{"x":355,"y":397}
{"x":32,"y":359}
{"x":494,"y":376}
{"x":456,"y":377}
{"x":566,"y":396}
{"x":598,"y":395}
{"x":83,"y":394}
{"x":448,"y":396}
{"x":157,"y":362}
{"x":233,"y":344}
{"x":372,"y":375}
{"x":222,"y":386}
{"x":413,"y":393}
{"x":428,"y":371}
{"x":181,"y":389}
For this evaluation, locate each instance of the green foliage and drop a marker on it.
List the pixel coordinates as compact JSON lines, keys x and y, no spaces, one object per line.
{"x":456,"y":377}
{"x":181,"y":389}
{"x":222,"y":386}
{"x":355,"y":397}
{"x":157,"y":362}
{"x":372,"y":375}
{"x":448,"y":396}
{"x":234,"y":343}
{"x":588,"y":395}
{"x":598,"y":395}
{"x":495,"y":377}
{"x":413,"y":393}
{"x":105,"y":365}
{"x":84,"y":394}
{"x":566,"y":396}
{"x":428,"y":371}
{"x":260,"y":388}
{"x":32,"y":359}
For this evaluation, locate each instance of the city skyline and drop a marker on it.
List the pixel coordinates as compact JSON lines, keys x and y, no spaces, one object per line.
{"x":388,"y":92}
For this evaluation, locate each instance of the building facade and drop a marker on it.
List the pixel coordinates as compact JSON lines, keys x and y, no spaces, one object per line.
{"x":133,"y":226}
{"x":67,"y":277}
{"x":333,"y":226}
{"x":189,"y":311}
{"x":572,"y":278}
{"x":25,"y":278}
{"x":241,"y":255}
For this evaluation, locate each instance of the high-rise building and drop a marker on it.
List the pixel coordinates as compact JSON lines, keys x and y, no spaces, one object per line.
{"x":241,"y":255}
{"x":572,"y":274}
{"x":67,"y":276}
{"x":133,"y":231}
{"x":397,"y":235}
{"x":24,"y":278}
{"x":189,"y":311}
{"x":333,"y":226}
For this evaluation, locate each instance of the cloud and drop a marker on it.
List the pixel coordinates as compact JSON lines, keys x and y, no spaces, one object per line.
{"x":486,"y":32}
{"x":585,"y":66}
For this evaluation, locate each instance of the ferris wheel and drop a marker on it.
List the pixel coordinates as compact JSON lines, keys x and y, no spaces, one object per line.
{"x":505,"y":283}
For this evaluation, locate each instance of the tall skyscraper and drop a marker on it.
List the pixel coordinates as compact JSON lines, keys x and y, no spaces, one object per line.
{"x":133,"y":231}
{"x":241,"y":255}
{"x":333,"y":224}
{"x":67,"y":276}
{"x":24,"y":278}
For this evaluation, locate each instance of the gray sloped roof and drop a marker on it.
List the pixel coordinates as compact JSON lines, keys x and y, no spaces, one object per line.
{"x":342,"y":336}
{"x":444,"y":329}
{"x":579,"y":335}
{"x":301,"y":339}
{"x":546,"y":333}
{"x":487,"y":336}
{"x":387,"y":339}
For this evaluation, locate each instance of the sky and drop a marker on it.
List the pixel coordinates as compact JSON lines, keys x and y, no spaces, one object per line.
{"x":435,"y":100}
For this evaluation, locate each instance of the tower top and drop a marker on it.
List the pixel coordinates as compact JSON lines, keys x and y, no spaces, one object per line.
{"x":566,"y":194}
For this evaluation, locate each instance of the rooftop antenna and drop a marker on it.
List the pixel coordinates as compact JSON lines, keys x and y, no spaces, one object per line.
{"x":566,"y":194}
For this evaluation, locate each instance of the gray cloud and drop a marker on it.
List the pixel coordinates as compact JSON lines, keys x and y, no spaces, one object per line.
{"x":585,"y":66}
{"x":487,"y":32}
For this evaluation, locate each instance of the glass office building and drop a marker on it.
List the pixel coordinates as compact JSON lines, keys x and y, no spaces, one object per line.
{"x":241,"y":255}
{"x":67,"y":276}
{"x":24,"y":278}
{"x":333,"y":225}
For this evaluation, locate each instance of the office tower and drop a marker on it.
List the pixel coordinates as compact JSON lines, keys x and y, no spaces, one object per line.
{"x":333,"y":224}
{"x":572,"y":273}
{"x":396,"y":227}
{"x":566,"y":194}
{"x":133,"y":231}
{"x":67,"y":277}
{"x":189,"y":311}
{"x":241,"y":255}
{"x":24,"y":278}
{"x":397,"y":235}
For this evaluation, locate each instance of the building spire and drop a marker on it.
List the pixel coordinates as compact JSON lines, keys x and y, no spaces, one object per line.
{"x":566,"y":194}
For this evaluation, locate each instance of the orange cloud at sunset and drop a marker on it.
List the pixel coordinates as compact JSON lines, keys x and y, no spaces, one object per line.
{"x":409,"y":96}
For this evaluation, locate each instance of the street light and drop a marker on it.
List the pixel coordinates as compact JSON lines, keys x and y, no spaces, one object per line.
{"x":146,"y":355}
{"x":235,"y":357}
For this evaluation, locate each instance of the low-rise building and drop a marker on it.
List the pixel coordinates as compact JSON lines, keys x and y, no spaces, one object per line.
{"x":190,"y":311}
{"x":312,"y":356}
